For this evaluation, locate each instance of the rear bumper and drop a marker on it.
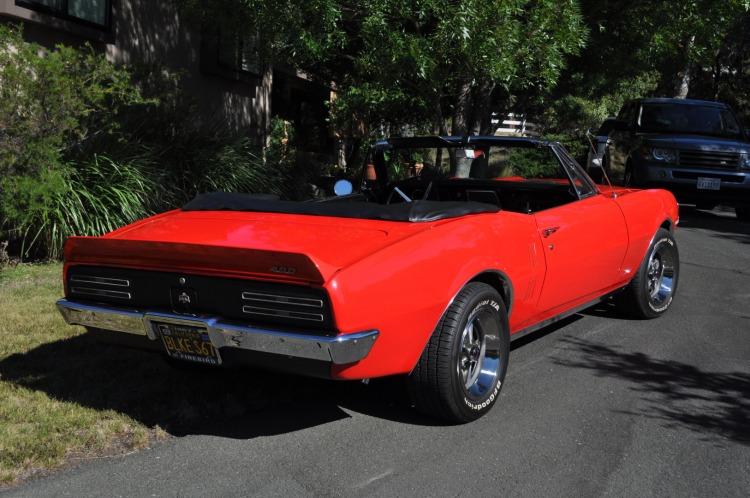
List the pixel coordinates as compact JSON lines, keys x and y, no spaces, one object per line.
{"x":339,"y":350}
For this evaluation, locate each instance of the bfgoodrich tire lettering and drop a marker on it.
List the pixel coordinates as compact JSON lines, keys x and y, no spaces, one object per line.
{"x":461,"y":371}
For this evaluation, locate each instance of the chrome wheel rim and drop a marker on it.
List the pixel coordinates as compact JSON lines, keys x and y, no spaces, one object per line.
{"x":479,"y":354}
{"x":661,"y":274}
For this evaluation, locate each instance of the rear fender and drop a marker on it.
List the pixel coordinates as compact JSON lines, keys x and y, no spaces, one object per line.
{"x":645,"y":212}
{"x":404,"y":290}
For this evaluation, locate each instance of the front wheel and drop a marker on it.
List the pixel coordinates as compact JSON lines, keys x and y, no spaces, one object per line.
{"x":462,"y":368}
{"x":652,"y":289}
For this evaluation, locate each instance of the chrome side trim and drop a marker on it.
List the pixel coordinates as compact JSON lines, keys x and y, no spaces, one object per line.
{"x":340,"y":349}
{"x":299,"y":315}
{"x":85,"y":279}
{"x":88,"y":291}
{"x":274,"y":298}
{"x":565,"y":314}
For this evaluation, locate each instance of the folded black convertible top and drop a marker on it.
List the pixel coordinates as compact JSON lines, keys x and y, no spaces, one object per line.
{"x":416,"y":211}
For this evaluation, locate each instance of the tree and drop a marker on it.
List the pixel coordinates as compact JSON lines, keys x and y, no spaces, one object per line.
{"x":630,"y":39}
{"x":421,"y":63}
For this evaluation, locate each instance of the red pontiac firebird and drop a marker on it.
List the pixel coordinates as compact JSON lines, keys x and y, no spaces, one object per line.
{"x":452,"y":247}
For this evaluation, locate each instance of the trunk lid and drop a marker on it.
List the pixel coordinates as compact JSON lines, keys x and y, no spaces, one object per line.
{"x":284,"y":247}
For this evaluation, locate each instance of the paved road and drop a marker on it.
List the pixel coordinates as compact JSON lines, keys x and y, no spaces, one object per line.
{"x":597,"y":406}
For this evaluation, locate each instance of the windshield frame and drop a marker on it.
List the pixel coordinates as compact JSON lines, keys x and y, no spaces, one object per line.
{"x":568,"y":164}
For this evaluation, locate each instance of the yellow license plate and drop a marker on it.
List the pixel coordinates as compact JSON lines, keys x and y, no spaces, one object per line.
{"x":186,"y":342}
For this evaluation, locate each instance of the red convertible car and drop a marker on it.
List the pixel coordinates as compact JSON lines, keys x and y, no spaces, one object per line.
{"x":453,"y":246}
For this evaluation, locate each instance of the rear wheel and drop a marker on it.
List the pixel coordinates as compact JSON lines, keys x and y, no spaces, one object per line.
{"x":652,"y":289}
{"x":462,"y":368}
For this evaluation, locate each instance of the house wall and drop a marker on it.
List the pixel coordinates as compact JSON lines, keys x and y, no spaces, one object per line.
{"x":148,"y":31}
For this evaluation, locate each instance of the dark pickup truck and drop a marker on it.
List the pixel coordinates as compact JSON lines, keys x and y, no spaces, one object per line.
{"x":696,"y":149}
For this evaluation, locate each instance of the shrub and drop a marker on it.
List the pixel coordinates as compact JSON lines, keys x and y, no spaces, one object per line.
{"x":52,"y":102}
{"x":86,"y":148}
{"x":90,"y":198}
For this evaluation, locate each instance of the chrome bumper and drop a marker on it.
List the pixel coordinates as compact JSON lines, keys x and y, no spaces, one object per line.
{"x":341,"y":349}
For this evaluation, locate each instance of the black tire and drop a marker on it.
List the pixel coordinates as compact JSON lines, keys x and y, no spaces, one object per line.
{"x":453,"y":381}
{"x":743,"y":213}
{"x":651,"y":291}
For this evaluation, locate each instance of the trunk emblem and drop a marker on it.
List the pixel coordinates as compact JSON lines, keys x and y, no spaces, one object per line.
{"x":184,"y":298}
{"x":286,"y":270}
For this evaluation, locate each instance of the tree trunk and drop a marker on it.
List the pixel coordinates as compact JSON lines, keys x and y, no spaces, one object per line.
{"x":438,"y":126}
{"x":482,"y":112}
{"x":263,"y":103}
{"x":462,"y":111}
{"x":683,"y":77}
{"x":683,"y":82}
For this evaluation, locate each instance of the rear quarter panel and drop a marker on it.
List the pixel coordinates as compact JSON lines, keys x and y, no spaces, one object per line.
{"x":404,"y":289}
{"x":645,"y":211}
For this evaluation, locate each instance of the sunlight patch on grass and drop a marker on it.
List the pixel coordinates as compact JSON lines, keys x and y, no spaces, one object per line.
{"x":37,"y":431}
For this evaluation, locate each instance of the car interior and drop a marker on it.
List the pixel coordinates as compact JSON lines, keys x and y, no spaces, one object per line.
{"x":523,"y":178}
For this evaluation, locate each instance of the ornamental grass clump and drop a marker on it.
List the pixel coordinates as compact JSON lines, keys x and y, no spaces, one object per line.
{"x":87,"y":147}
{"x":52,"y":104}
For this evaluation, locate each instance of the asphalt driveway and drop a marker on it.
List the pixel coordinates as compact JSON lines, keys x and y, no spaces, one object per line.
{"x":599,"y":405}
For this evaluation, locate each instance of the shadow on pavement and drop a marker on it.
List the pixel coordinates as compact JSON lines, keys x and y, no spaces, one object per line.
{"x":679,"y":394}
{"x":234,"y":403}
{"x":723,"y":225}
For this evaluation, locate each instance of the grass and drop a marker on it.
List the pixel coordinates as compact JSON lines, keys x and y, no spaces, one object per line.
{"x":37,"y":430}
{"x":65,"y":397}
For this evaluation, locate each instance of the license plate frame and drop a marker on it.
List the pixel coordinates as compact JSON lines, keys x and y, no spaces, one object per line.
{"x":187,"y":342}
{"x":707,"y":183}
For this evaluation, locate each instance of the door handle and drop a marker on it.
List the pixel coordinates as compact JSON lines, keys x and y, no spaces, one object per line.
{"x":549,"y":231}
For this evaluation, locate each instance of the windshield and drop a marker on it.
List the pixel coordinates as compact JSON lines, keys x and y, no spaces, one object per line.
{"x":688,"y":119}
{"x":477,"y":162}
{"x":508,"y":162}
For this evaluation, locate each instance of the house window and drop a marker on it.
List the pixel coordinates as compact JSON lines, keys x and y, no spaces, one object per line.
{"x":239,"y":52}
{"x":92,"y":12}
{"x":231,"y":55}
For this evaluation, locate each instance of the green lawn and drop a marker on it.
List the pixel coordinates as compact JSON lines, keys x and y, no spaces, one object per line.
{"x":39,"y":428}
{"x":65,"y":397}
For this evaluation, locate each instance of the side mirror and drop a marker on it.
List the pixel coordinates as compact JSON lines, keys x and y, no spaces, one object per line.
{"x":343,"y":187}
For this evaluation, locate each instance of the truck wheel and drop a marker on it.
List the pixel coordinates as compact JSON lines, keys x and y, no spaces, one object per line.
{"x":743,"y":213}
{"x":462,"y":368}
{"x":651,"y":291}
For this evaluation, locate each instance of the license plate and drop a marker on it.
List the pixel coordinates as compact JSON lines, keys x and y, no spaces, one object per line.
{"x":186,"y":342}
{"x":709,"y":183}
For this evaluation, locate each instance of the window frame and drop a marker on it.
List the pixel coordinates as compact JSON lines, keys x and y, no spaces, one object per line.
{"x":222,"y":40}
{"x":211,"y":61}
{"x":63,"y":13}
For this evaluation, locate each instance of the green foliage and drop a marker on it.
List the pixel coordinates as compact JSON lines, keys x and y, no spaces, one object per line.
{"x":660,"y":41}
{"x":52,"y":102}
{"x":398,"y":62}
{"x":531,"y":163}
{"x":90,"y":198}
{"x":85,"y":147}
